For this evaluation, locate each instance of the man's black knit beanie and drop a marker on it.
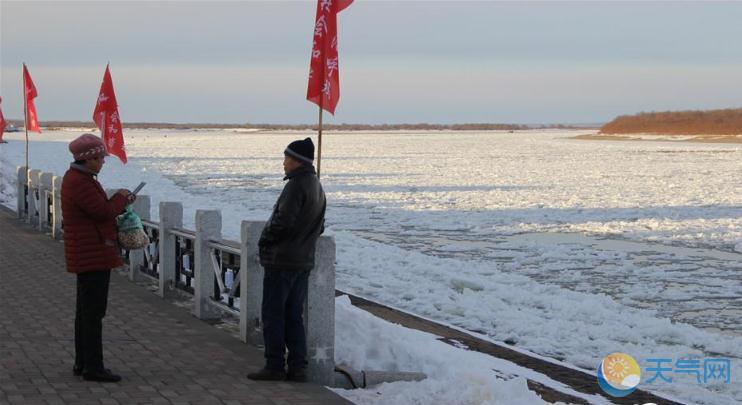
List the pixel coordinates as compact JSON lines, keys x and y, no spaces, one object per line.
{"x":302,"y":151}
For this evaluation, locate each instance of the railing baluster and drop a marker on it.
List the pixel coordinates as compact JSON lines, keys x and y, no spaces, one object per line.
{"x":32,"y":197}
{"x":320,"y":314}
{"x":21,"y":191}
{"x":44,"y":187}
{"x":171,"y":216}
{"x":208,"y":227}
{"x":251,"y":278}
{"x":57,"y":207}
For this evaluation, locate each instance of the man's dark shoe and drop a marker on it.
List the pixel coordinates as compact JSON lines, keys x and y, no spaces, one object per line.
{"x":268,"y":375}
{"x":101,"y":376}
{"x":297,"y":375}
{"x":77,"y":370}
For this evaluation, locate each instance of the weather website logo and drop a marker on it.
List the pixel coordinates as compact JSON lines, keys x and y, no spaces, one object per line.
{"x":619,"y":374}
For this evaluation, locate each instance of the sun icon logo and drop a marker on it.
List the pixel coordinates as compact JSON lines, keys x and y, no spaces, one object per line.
{"x":619,"y":374}
{"x":617,"y":368}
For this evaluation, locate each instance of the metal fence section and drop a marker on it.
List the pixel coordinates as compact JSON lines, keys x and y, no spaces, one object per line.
{"x":225,"y":261}
{"x":49,"y":209}
{"x":37,"y":205}
{"x":151,"y":264}
{"x":25,"y":200}
{"x":184,"y":259}
{"x":38,"y":200}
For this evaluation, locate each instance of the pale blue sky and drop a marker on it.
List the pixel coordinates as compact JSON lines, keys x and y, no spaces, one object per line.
{"x":401,"y":61}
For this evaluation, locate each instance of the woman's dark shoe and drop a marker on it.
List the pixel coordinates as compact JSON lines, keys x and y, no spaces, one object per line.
{"x":297,"y":375}
{"x":268,"y":375}
{"x":101,"y":376}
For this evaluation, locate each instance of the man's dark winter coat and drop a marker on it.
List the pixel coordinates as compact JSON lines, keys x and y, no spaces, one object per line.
{"x":289,"y":238}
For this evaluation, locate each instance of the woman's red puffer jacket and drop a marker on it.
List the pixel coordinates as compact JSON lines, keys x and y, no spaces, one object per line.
{"x":90,"y":236}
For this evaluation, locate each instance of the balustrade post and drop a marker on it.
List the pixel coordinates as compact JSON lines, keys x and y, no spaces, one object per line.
{"x":208,"y":227}
{"x":45,"y":186}
{"x":136,"y":257}
{"x":33,"y":188}
{"x":251,"y":284}
{"x":21,"y":184}
{"x":57,"y":207}
{"x":320,"y":314}
{"x":171,"y":216}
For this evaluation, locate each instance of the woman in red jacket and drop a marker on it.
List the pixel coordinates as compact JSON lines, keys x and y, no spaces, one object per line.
{"x":91,"y":250}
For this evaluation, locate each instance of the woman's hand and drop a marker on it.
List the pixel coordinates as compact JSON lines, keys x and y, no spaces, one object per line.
{"x":126,"y":193}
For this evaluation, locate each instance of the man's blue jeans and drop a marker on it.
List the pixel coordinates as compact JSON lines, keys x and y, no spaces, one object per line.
{"x":284,"y":294}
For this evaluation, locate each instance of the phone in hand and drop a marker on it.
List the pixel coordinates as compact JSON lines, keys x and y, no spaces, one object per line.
{"x":139,"y":187}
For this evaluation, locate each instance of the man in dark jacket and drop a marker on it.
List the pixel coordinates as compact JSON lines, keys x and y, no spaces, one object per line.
{"x":287,"y":247}
{"x":90,"y":250}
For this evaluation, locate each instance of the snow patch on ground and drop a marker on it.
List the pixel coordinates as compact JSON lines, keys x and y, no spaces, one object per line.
{"x":455,"y":376}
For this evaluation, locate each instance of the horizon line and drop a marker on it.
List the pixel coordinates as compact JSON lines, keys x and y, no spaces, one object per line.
{"x":72,"y":123}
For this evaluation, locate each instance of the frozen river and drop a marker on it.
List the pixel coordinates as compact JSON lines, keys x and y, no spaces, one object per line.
{"x":571,"y":249}
{"x":463,"y":196}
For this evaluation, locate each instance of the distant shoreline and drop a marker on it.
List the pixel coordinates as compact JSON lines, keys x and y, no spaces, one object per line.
{"x":662,"y":138}
{"x":330,"y":127}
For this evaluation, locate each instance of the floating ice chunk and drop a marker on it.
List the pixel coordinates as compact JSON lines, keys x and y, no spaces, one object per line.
{"x":459,"y":284}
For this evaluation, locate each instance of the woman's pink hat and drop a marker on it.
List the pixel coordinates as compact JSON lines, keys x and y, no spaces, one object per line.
{"x":87,"y":146}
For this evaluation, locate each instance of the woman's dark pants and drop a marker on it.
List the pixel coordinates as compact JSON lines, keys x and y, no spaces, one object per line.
{"x":92,"y":299}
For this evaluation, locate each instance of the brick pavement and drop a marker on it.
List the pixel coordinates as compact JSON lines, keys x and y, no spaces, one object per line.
{"x":165,"y":355}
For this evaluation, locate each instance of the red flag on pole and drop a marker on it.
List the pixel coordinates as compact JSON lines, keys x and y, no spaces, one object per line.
{"x":32,"y":121}
{"x":106,"y":118}
{"x":2,"y":121}
{"x":324,"y":70}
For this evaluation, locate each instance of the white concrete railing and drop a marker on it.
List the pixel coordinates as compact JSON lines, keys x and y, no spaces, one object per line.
{"x":34,"y":186}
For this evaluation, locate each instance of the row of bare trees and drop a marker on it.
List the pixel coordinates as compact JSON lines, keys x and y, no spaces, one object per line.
{"x":710,"y":122}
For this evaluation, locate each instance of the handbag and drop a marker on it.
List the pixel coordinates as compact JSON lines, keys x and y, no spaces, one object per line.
{"x":131,"y":231}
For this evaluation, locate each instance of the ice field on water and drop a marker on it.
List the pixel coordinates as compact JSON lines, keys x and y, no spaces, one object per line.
{"x":570,"y":249}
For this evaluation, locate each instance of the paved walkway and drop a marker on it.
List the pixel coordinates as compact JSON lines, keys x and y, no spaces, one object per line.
{"x":165,"y":355}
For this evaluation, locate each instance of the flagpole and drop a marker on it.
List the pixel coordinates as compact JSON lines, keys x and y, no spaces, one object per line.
{"x":319,"y":147}
{"x":25,"y":111}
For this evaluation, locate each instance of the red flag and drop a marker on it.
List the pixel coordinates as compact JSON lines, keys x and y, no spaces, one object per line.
{"x":324,"y":70}
{"x":32,"y":121}
{"x":106,"y":118}
{"x":2,"y":121}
